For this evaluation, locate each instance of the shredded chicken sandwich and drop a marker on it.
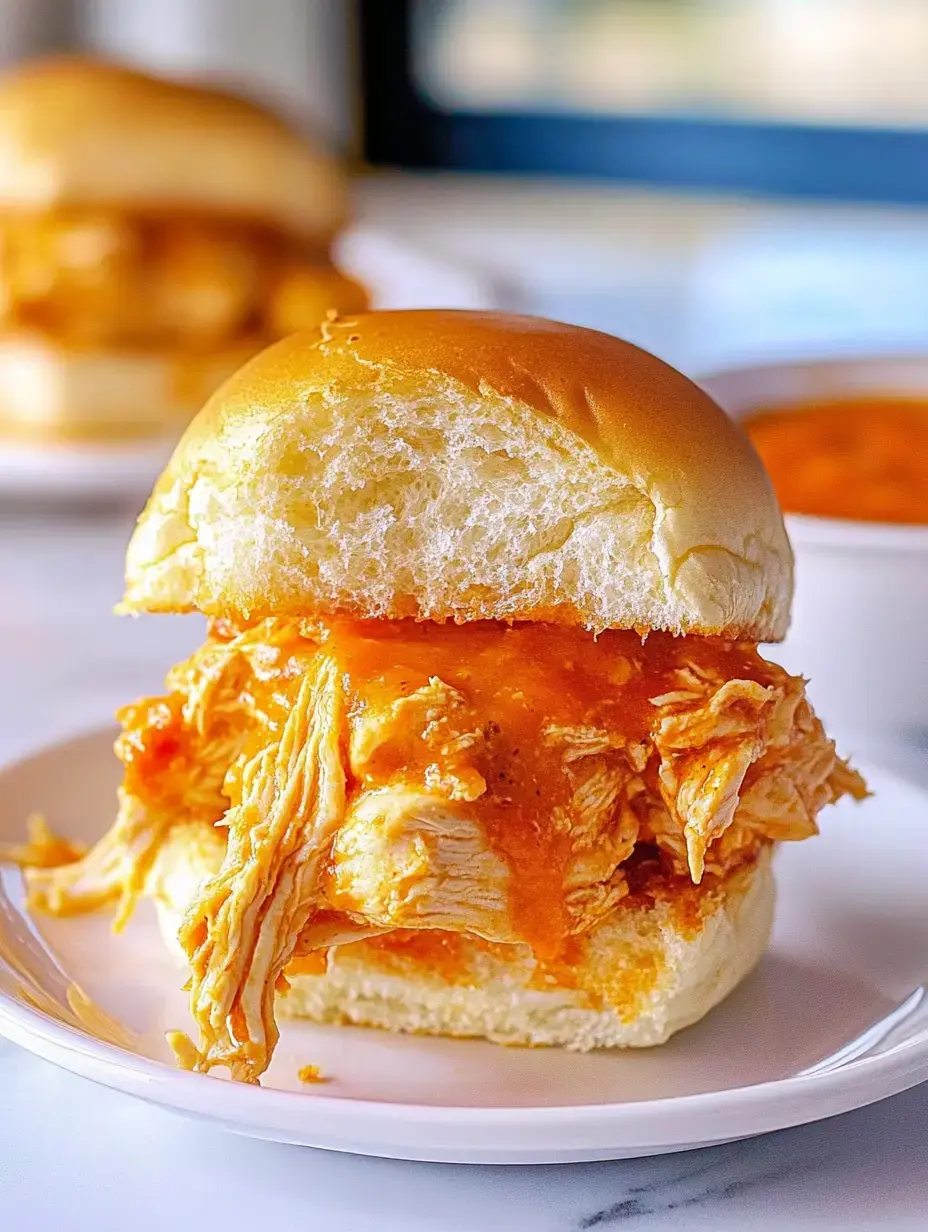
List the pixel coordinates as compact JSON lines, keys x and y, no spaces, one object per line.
{"x":480,"y":742}
{"x":496,"y":781}
{"x":153,"y":236}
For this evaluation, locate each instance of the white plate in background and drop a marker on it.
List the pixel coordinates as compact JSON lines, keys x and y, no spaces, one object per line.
{"x":75,"y":471}
{"x":403,"y":275}
{"x":398,"y":275}
{"x":840,"y":992}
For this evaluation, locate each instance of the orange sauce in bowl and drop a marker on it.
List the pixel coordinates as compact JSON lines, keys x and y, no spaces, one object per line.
{"x":864,"y":458}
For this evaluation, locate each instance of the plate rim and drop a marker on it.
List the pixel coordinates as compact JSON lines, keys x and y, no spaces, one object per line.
{"x":643,"y":1125}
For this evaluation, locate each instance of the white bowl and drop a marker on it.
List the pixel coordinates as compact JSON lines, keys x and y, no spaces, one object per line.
{"x":860,"y":617}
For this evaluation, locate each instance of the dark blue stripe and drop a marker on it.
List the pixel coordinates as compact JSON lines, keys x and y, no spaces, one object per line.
{"x":781,"y":159}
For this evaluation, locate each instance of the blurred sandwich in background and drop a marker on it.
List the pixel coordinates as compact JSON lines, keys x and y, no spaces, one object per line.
{"x":153,"y":235}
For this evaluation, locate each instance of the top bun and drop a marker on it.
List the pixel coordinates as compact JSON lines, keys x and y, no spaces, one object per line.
{"x":466,"y":466}
{"x":79,"y":132}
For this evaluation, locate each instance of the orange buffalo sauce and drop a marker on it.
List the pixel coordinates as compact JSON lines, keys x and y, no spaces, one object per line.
{"x":153,"y":747}
{"x":519,"y":681}
{"x":861,"y":458}
{"x":444,"y":954}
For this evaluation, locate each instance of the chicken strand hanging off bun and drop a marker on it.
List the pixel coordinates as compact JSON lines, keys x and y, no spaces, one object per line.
{"x":480,"y":742}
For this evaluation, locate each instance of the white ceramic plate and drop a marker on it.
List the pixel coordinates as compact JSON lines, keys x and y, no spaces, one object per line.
{"x":398,"y":274}
{"x":839,"y":994}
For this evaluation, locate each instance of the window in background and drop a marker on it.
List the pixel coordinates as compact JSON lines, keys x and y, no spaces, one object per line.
{"x":821,"y":97}
{"x":819,"y":61}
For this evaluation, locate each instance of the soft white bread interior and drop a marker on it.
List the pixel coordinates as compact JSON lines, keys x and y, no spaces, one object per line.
{"x":643,"y":974}
{"x":466,"y":466}
{"x":49,"y":393}
{"x":77,"y":131}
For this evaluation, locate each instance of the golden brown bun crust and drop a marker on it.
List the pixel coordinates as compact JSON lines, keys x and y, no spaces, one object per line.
{"x":77,"y":131}
{"x":466,"y":466}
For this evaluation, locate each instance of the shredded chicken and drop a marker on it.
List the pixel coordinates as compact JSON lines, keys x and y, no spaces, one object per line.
{"x":242,"y":930}
{"x":42,"y":848}
{"x":753,"y":762}
{"x":311,"y":1074}
{"x":429,"y":717}
{"x":350,"y":815}
{"x":407,"y":859}
{"x":118,"y":865}
{"x":196,"y":734}
{"x":101,"y":277}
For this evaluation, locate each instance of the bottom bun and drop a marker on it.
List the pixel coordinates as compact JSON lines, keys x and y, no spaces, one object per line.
{"x":636,"y":979}
{"x":49,"y":393}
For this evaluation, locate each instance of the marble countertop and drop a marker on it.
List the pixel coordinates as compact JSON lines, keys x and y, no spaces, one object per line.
{"x":73,"y":1155}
